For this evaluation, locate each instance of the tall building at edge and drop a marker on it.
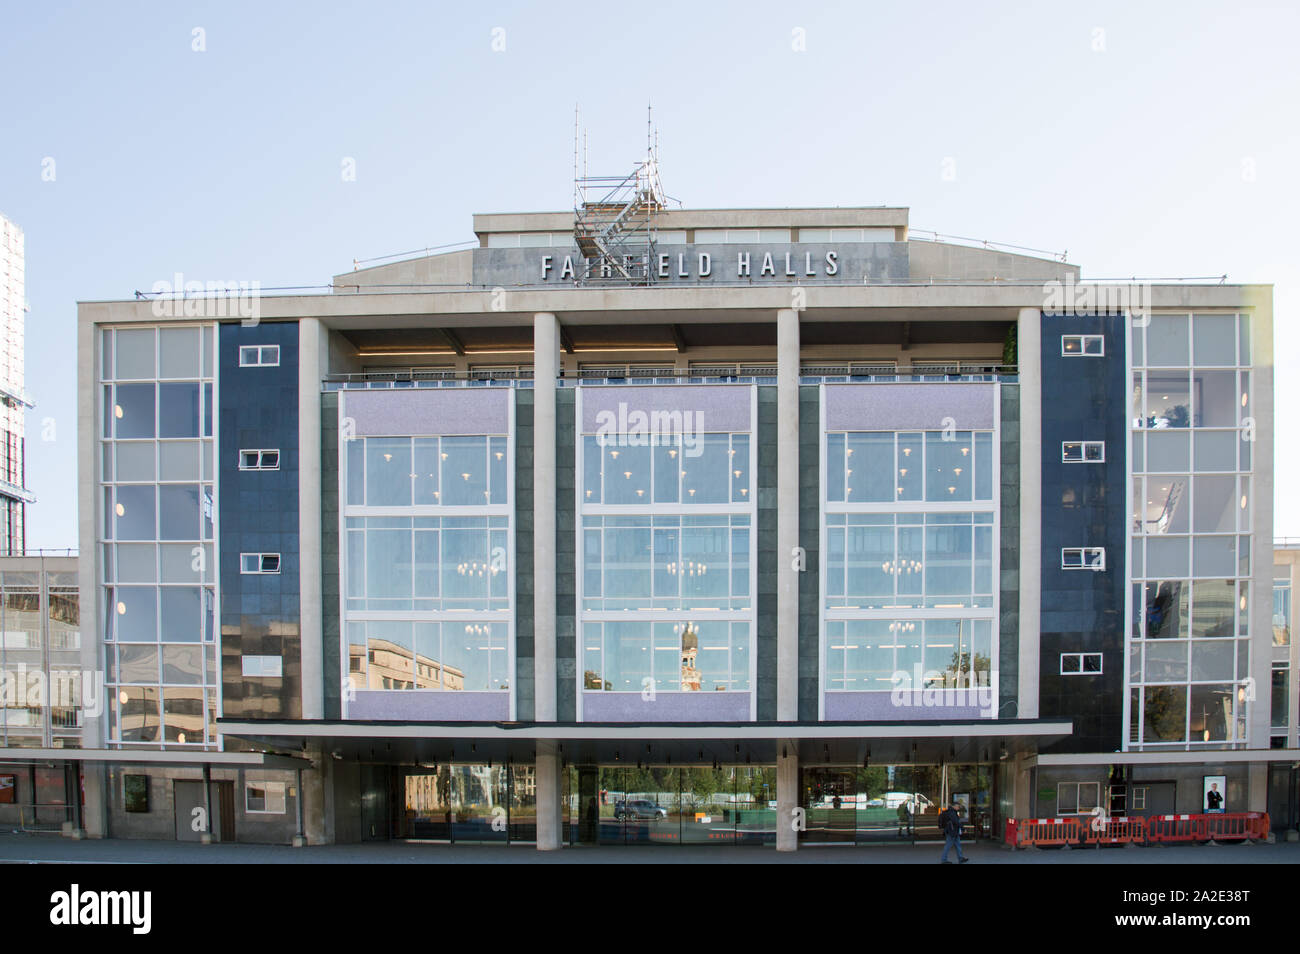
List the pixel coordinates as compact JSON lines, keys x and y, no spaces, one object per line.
{"x":14,"y":401}
{"x":643,"y":525}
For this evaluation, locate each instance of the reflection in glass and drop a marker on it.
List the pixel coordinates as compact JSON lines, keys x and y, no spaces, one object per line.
{"x":1166,"y":609}
{"x":1164,"y":713}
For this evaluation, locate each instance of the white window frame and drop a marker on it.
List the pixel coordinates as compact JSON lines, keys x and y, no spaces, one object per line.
{"x":261,"y":458}
{"x":258,"y":560}
{"x":1078,"y":789}
{"x":264,"y":666}
{"x":259,"y":356}
{"x":1083,"y":351}
{"x":1089,"y":558}
{"x":1083,"y":457}
{"x":272,"y":793}
{"x":1081,"y":671}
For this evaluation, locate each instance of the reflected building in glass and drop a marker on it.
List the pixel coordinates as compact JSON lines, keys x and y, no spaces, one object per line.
{"x":788,"y":510}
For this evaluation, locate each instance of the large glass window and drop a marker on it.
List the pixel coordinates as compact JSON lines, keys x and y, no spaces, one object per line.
{"x":157,"y":532}
{"x":886,"y":568}
{"x":875,"y":561}
{"x":1191,"y":528}
{"x":666,"y":563}
{"x":427,"y":471}
{"x":667,"y":543}
{"x":888,"y":466}
{"x":427,"y":563}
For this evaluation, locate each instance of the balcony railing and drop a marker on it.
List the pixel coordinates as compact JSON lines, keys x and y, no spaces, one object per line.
{"x":720,"y":374}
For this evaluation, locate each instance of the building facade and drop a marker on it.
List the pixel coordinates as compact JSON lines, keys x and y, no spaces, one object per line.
{"x":14,"y":401}
{"x":784,"y":529}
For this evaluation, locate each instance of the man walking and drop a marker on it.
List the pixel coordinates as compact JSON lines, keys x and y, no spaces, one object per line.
{"x":950,"y":822}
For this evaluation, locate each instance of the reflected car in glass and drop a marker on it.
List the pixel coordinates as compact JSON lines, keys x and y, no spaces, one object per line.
{"x":639,"y":808}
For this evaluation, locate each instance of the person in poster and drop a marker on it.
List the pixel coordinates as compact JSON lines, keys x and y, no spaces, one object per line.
{"x":1214,"y":786}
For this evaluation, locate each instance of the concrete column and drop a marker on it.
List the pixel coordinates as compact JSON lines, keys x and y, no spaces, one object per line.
{"x":549,"y":787}
{"x":787,"y":515}
{"x":316,"y":815}
{"x":787,"y":794}
{"x":1029,"y":357}
{"x":309,"y":519}
{"x":546,"y":357}
{"x":89,"y":574}
{"x":1257,"y":787}
{"x":98,"y":796}
{"x":1258,"y":728}
{"x":1022,"y":780}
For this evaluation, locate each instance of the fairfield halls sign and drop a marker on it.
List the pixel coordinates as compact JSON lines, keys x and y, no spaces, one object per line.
{"x":748,"y":264}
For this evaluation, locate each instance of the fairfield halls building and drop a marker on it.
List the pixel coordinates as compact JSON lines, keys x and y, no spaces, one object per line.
{"x":676,"y":527}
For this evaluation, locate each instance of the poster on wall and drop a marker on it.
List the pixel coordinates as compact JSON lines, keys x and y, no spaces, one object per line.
{"x":1213,"y":802}
{"x":6,"y":789}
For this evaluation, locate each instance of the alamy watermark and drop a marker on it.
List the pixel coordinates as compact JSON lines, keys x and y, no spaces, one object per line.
{"x":23,"y":688}
{"x":932,"y":689}
{"x":231,"y":299}
{"x":1071,"y":299}
{"x":637,"y":428}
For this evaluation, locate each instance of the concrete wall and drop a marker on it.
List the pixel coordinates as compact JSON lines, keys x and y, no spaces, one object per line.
{"x":160,"y":821}
{"x":449,"y":268}
{"x":765,"y":598}
{"x":564,"y":567}
{"x":936,"y":260}
{"x":810,"y":438}
{"x":524,"y":690}
{"x":331,"y":630}
{"x":1009,"y":553}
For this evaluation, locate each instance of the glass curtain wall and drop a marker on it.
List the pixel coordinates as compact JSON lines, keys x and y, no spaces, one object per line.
{"x":889,"y":804}
{"x":1192,"y":492}
{"x":156,"y":528}
{"x":667,"y":538}
{"x":427,"y":599}
{"x":669,"y":805}
{"x":911,"y":560}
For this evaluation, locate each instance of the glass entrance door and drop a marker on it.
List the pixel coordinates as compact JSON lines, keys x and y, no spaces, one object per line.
{"x":829,"y":797}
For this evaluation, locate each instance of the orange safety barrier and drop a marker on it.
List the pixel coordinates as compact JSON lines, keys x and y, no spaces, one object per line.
{"x":1116,"y":830}
{"x":1046,"y":832}
{"x":1167,"y":829}
{"x":1238,"y":826}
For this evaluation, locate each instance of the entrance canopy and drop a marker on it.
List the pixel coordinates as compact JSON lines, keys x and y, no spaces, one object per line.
{"x":982,"y":740}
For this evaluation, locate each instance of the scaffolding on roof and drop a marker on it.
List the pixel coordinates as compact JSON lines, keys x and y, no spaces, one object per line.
{"x":614,"y":218}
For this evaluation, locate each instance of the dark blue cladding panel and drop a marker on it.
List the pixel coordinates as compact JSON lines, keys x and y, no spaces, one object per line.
{"x":258,"y":513}
{"x":1084,"y":399}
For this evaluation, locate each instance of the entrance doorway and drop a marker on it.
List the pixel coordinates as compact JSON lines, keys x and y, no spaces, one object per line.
{"x":889,"y":804}
{"x":188,"y":799}
{"x":667,"y":805}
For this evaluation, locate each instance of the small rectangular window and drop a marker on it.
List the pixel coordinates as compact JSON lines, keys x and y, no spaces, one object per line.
{"x":1077,"y":798}
{"x":264,"y":798}
{"x":135,"y":793}
{"x":1083,"y":452}
{"x":1085,"y":346}
{"x":1080,"y":664}
{"x":265,"y":666}
{"x":1083,"y":558}
{"x":259,"y":563}
{"x":259,"y":460}
{"x":259,"y":356}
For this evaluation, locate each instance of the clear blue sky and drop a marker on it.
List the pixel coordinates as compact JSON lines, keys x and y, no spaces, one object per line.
{"x":225,"y":164}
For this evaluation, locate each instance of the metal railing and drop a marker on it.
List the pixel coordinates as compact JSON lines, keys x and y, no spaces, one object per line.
{"x":523,"y":378}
